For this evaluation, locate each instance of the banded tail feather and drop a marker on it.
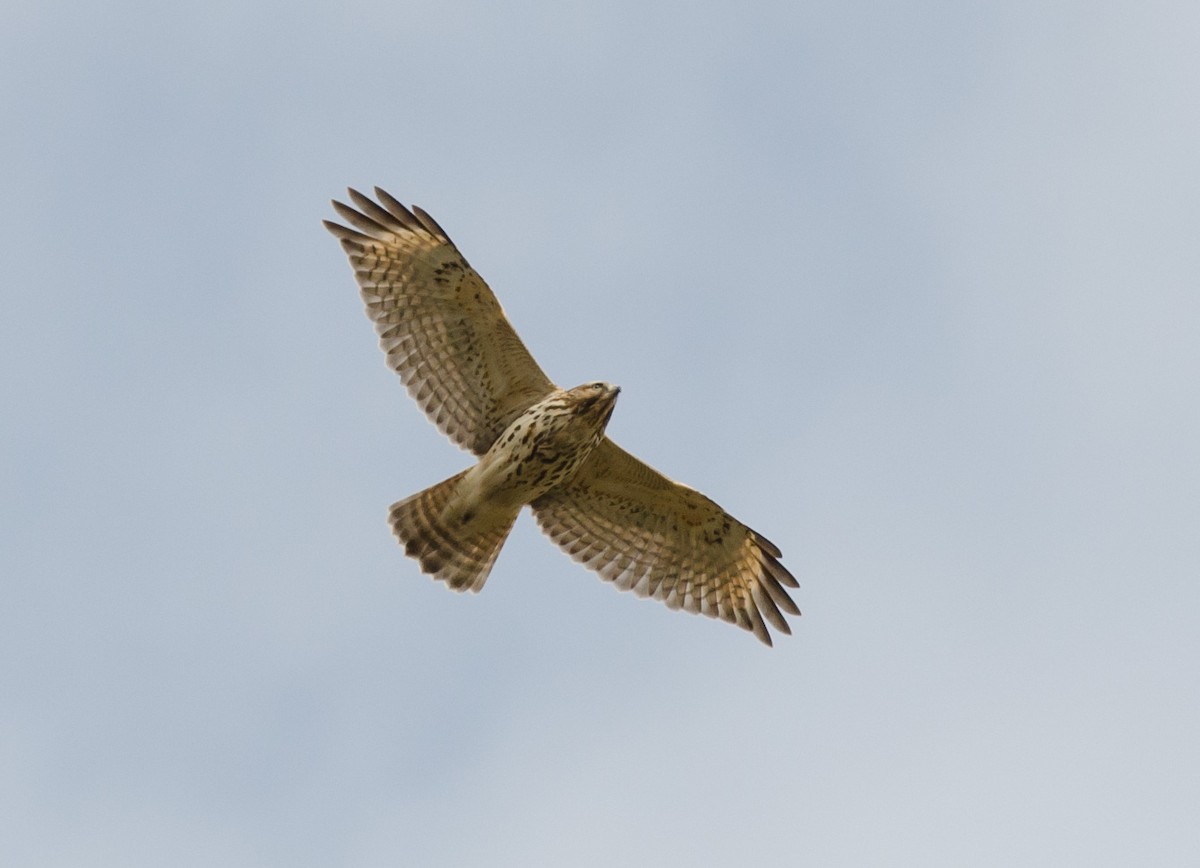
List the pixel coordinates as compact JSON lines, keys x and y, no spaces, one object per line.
{"x":456,"y":548}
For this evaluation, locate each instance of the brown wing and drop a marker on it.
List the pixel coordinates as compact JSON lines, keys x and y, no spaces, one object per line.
{"x":646,"y":533}
{"x":442,"y":329}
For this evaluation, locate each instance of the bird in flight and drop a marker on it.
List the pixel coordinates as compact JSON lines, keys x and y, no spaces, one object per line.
{"x":447,"y":337}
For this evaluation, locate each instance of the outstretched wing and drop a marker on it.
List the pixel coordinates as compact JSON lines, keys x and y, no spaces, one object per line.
{"x":646,"y":533}
{"x":442,"y":329}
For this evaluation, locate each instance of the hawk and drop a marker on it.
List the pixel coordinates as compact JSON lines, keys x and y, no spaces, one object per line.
{"x":447,"y":337}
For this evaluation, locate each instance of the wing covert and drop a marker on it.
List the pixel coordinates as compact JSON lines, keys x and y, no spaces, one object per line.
{"x":659,"y":538}
{"x":440,"y":325}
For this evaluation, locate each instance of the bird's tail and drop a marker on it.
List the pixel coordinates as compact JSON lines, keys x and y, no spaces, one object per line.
{"x":454,"y":546}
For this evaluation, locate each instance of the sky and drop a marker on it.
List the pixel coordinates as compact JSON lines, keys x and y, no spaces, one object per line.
{"x":912,"y":288}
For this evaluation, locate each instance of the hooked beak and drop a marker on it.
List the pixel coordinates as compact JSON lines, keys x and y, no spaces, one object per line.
{"x":608,"y":402}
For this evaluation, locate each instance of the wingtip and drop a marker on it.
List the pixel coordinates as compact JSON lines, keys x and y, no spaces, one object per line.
{"x":429,"y":223}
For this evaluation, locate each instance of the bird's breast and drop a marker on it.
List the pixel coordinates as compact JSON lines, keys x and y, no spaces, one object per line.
{"x":540,"y":450}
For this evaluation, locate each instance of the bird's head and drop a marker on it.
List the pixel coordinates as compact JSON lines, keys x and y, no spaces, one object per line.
{"x":595,"y":401}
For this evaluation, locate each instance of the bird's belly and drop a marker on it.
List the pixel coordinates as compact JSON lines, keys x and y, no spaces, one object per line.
{"x":512,"y":477}
{"x":517,"y":470}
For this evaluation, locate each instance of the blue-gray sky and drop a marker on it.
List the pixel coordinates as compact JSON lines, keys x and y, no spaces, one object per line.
{"x":913,"y":288}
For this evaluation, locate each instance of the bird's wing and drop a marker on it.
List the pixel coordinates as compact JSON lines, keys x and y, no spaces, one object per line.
{"x":646,"y":533}
{"x":442,"y":329}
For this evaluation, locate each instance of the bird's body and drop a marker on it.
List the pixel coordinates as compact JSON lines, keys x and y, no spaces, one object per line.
{"x":543,"y":447}
{"x":538,"y":445}
{"x":452,"y":531}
